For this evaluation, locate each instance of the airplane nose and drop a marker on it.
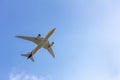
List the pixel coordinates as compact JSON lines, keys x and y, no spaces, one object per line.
{"x":54,"y":28}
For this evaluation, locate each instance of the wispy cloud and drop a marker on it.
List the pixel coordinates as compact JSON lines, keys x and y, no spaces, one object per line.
{"x":25,"y":76}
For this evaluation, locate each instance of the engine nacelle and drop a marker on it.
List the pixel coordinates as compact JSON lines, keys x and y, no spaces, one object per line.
{"x":38,"y":36}
{"x":51,"y":44}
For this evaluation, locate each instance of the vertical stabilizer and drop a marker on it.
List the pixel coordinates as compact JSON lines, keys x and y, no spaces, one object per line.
{"x":28,"y":56}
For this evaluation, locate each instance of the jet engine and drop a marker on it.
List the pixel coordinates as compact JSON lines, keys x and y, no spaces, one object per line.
{"x":51,"y":44}
{"x":38,"y":36}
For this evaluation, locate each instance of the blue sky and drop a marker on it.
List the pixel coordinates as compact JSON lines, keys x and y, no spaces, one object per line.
{"x":86,"y":39}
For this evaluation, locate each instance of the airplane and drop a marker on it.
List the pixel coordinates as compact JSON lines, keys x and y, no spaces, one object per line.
{"x":40,"y":42}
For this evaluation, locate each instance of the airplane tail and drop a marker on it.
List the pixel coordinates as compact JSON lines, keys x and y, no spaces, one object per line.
{"x":28,"y":56}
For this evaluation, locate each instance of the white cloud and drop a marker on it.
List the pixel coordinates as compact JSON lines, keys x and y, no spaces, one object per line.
{"x":24,"y":76}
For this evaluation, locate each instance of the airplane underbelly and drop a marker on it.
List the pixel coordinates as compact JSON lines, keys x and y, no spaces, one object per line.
{"x":45,"y":45}
{"x":36,"y":49}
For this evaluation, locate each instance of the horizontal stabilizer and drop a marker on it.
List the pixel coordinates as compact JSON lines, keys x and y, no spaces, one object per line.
{"x":32,"y":59}
{"x":26,"y":55}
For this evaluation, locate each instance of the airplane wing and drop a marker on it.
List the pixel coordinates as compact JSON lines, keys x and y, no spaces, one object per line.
{"x":33,"y":39}
{"x":51,"y":52}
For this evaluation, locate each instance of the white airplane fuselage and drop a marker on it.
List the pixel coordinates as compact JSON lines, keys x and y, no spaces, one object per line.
{"x":40,"y":42}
